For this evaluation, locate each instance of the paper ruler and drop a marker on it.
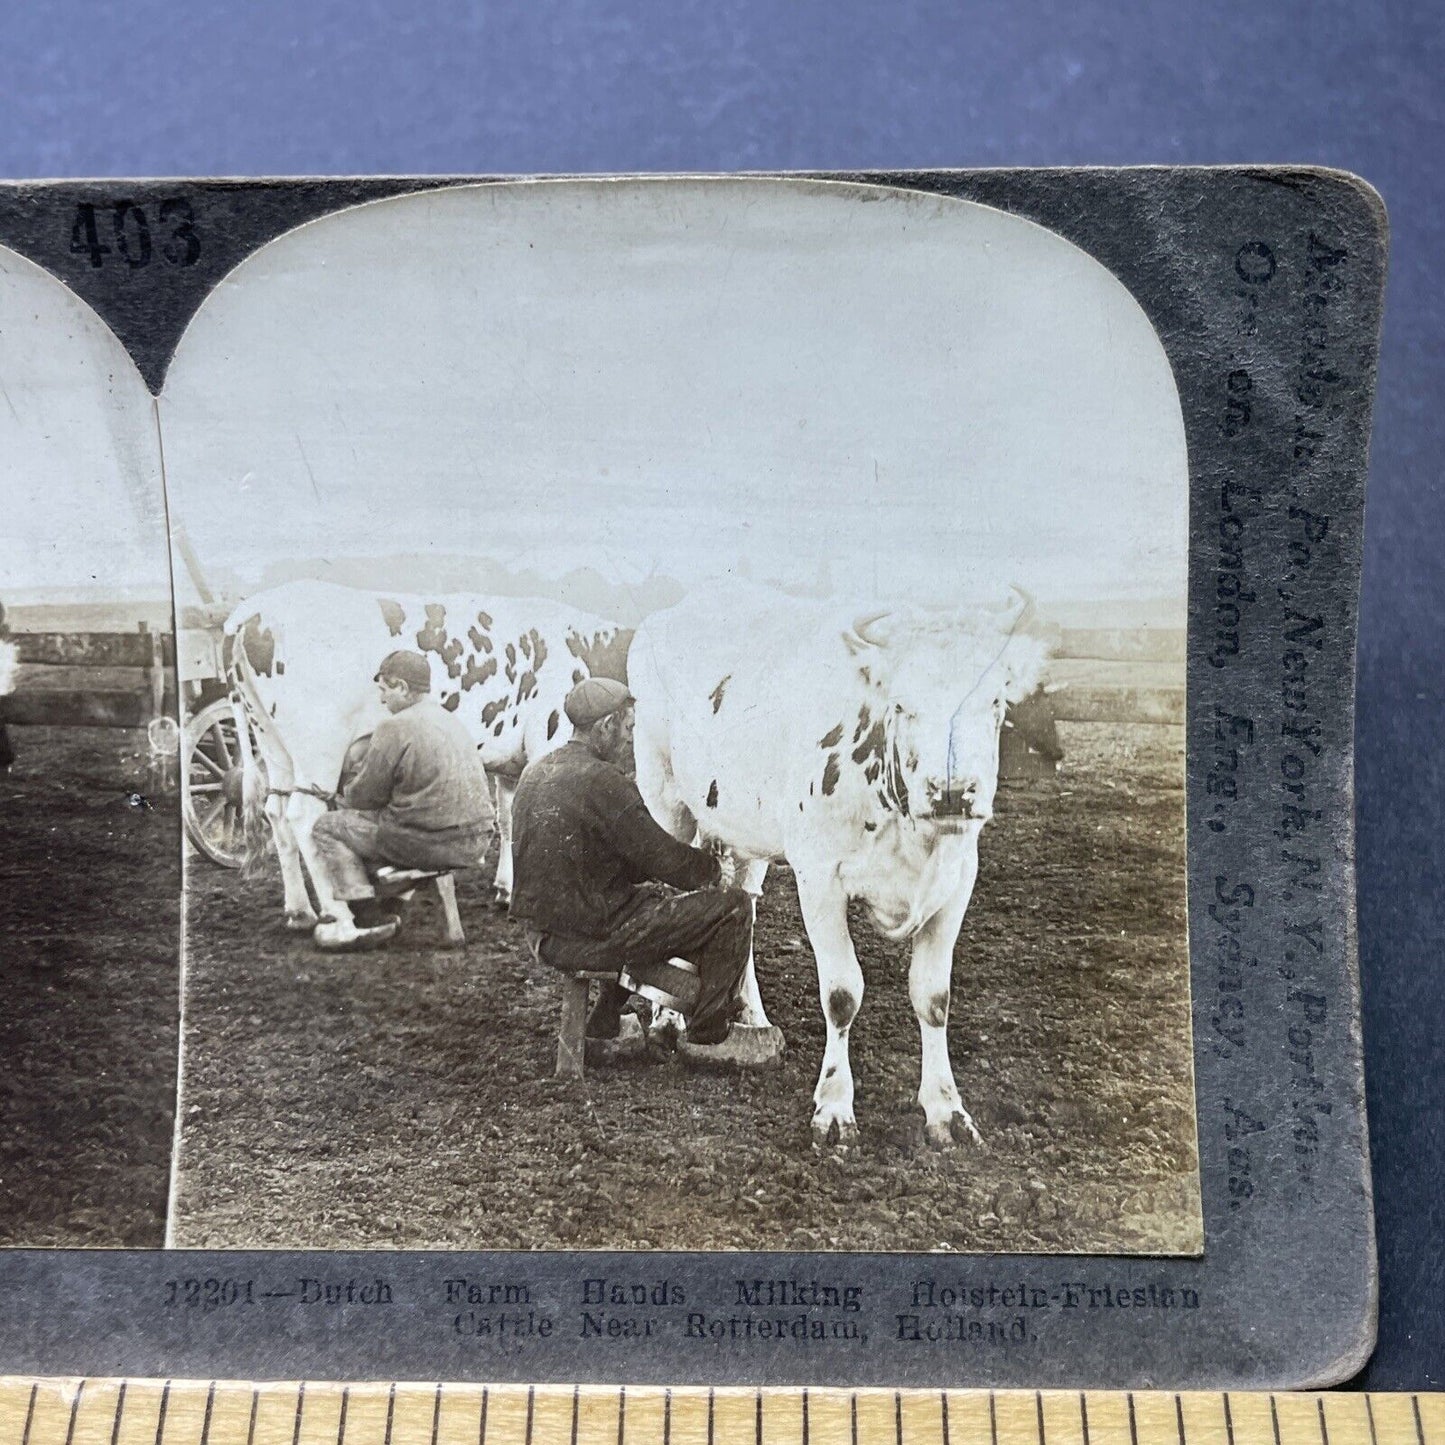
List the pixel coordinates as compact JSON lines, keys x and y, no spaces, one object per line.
{"x":197,"y":1412}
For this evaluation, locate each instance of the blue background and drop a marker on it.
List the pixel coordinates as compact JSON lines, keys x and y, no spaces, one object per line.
{"x":347,"y":87}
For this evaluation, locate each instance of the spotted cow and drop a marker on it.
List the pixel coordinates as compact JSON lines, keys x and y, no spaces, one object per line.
{"x":865,"y":753}
{"x":301,"y":661}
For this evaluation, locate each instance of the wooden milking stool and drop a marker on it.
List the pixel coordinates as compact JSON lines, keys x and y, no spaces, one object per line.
{"x":393,"y":882}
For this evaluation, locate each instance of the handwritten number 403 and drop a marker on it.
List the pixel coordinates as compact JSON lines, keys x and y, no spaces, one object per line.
{"x":123,"y":229}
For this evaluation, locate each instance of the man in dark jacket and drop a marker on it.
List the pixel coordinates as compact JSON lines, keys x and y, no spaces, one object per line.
{"x":418,"y":799}
{"x":602,"y":886}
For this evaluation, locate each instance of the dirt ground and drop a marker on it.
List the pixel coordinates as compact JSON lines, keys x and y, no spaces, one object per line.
{"x":404,"y":1098}
{"x":89,"y":927}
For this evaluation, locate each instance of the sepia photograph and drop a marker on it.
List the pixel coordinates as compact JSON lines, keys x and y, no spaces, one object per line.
{"x":90,"y":874}
{"x":693,"y":757}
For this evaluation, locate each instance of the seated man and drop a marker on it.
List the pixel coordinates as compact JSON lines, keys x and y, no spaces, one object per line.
{"x":419,"y":799}
{"x":597,"y":881}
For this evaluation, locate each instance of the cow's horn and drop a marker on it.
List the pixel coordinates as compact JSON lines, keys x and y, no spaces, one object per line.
{"x":866,"y":620}
{"x":1019,"y":610}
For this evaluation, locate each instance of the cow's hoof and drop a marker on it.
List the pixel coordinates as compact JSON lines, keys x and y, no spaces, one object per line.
{"x":501,"y":898}
{"x":833,"y":1133}
{"x":956,"y":1129}
{"x":301,"y":922}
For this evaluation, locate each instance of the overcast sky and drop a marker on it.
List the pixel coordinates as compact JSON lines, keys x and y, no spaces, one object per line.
{"x":81,"y":504}
{"x":900,"y":395}
{"x":907,"y":394}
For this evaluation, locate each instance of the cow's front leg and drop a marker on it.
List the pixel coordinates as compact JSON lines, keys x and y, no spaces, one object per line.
{"x":840,"y":990}
{"x":300,"y":916}
{"x":930,"y":977}
{"x":502,"y":883}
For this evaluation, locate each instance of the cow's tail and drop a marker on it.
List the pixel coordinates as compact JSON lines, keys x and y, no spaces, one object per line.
{"x":249,"y":712}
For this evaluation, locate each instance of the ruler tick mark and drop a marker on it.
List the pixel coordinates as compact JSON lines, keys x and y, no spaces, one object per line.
{"x":1039,"y":1413}
{"x":531,"y":1409}
{"x":621,"y":1412}
{"x":1179,"y":1419}
{"x":1324,"y":1429}
{"x":898,"y":1416}
{"x":1370,"y":1418}
{"x":300,"y":1406}
{"x":1419,"y":1428}
{"x":576,"y":1407}
{"x":120,"y":1410}
{"x":75,"y":1410}
{"x":943,"y":1414}
{"x":436,"y":1414}
{"x":251,"y":1428}
{"x":1274,"y":1419}
{"x":1229,"y":1420}
{"x":205,"y":1423}
{"x":805,"y":1415}
{"x":711,"y":1398}
{"x":482,"y":1427}
{"x":853,"y":1415}
{"x":993,"y":1417}
{"x":1084,"y":1416}
{"x":667,"y":1417}
{"x":341,"y":1419}
{"x":390,"y":1411}
{"x":30,"y":1414}
{"x":161,"y":1420}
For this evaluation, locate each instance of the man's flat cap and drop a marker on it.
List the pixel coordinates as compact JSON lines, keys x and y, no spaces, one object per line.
{"x":594,"y":699}
{"x":408,"y":667}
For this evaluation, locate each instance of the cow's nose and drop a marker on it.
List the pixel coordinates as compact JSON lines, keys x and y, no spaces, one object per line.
{"x":956,"y":800}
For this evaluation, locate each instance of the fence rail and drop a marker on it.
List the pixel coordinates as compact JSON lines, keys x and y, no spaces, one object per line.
{"x":91,"y":679}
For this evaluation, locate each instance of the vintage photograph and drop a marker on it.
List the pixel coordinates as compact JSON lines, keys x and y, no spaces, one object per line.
{"x":90,"y":874}
{"x":683,"y":691}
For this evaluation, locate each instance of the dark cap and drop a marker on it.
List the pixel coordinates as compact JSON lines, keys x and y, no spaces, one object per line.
{"x":408,"y":667}
{"x":594,"y":699}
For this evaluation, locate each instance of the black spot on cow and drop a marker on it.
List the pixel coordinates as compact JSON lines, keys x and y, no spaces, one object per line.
{"x":497,"y":731}
{"x":830,"y":1071}
{"x":524,"y":645}
{"x":800,"y":807}
{"x":831,"y":774}
{"x":603,"y":653}
{"x":280,"y":668}
{"x":453,"y":702}
{"x":841,"y":1008}
{"x":712,"y":794}
{"x":258,"y":642}
{"x":554,"y":721}
{"x":433,"y":638}
{"x":937,"y":1014}
{"x":716,"y":695}
{"x":870,"y":827}
{"x":527,"y":687}
{"x":864,"y":718}
{"x":832,"y":737}
{"x":433,"y":635}
{"x":539,"y":648}
{"x":393,"y":614}
{"x":478,"y":672}
{"x":578,"y":675}
{"x":493,"y":711}
{"x":479,"y":639}
{"x":511,"y":663}
{"x":872,"y":746}
{"x":485,"y":618}
{"x":514,"y":719}
{"x":873,"y":771}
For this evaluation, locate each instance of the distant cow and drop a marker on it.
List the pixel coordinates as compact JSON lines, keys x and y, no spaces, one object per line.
{"x":865,"y":753}
{"x":301,"y":660}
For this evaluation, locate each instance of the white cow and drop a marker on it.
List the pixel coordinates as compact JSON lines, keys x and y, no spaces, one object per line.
{"x":302,"y":658}
{"x":865,"y":753}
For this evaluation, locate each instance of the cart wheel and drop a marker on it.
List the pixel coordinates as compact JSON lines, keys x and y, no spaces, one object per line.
{"x":212,"y":770}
